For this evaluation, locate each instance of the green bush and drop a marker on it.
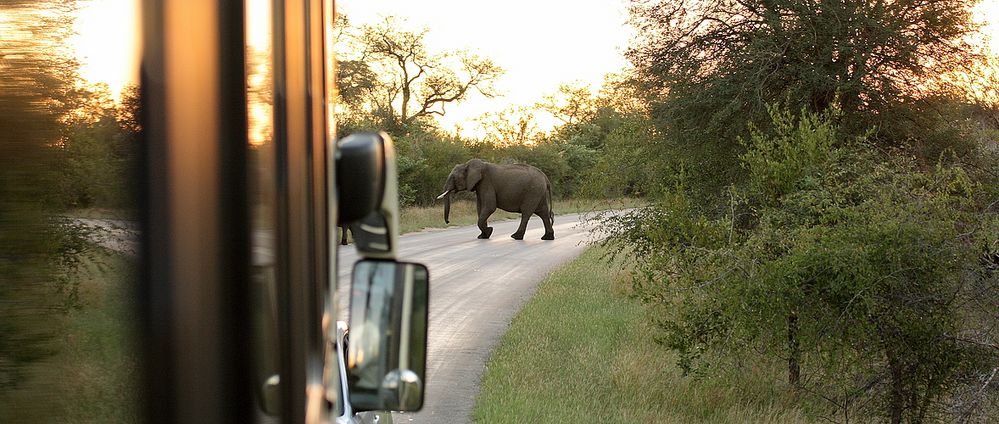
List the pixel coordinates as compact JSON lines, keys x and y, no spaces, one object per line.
{"x":854,"y":266}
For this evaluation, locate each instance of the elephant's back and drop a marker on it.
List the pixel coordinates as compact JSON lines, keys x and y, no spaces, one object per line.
{"x":520,"y":186}
{"x":523,"y":168}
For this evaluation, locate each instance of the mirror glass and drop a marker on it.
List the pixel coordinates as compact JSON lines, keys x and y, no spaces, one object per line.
{"x":371,"y":233}
{"x":387,"y":347}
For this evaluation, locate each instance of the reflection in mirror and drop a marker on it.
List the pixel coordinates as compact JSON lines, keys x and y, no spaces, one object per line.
{"x":386,"y":356}
{"x":371,"y":233}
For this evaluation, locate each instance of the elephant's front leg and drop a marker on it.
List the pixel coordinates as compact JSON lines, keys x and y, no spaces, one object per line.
{"x":524,"y":217}
{"x":343,"y":235}
{"x":484,"y":211}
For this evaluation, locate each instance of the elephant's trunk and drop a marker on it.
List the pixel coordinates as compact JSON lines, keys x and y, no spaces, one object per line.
{"x":446,"y":195}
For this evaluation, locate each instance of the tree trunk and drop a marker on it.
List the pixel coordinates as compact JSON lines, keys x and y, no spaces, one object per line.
{"x":794,"y":352}
{"x":896,"y":403}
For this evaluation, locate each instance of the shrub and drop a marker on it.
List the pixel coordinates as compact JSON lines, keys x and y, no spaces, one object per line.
{"x":853,"y":266}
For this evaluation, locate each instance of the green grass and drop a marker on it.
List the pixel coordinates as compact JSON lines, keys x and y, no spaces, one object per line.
{"x":93,"y":377}
{"x":582,"y":351}
{"x":417,"y":218}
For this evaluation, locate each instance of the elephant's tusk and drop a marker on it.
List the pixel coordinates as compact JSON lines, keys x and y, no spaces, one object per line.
{"x":443,"y":194}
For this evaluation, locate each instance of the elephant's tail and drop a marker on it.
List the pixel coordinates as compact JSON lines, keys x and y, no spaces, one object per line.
{"x":551,"y":206}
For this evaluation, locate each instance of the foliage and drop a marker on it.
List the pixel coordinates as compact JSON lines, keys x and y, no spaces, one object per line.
{"x":97,"y":152}
{"x":860,"y":269}
{"x":601,"y":138}
{"x":386,"y":80}
{"x":572,"y":104}
{"x":424,"y":161}
{"x":711,"y":67}
{"x":511,"y":126}
{"x":588,"y":159}
{"x":397,"y":79}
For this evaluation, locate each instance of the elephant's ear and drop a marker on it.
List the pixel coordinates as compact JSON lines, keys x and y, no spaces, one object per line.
{"x":474,"y":175}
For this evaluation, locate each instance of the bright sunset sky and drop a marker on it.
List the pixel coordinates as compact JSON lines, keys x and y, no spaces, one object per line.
{"x":540,"y":43}
{"x":106,"y":42}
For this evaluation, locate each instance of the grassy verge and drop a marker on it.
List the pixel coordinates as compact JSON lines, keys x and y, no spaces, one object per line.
{"x":92,"y":377}
{"x":581,"y":351}
{"x":463,"y":213}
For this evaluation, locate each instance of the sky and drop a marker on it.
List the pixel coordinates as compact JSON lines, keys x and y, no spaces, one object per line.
{"x":106,"y":43}
{"x":540,"y":43}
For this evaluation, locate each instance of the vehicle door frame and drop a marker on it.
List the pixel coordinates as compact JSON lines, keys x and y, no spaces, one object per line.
{"x":194,"y":292}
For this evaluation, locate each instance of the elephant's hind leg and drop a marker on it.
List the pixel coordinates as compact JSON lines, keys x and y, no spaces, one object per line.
{"x":546,"y":218}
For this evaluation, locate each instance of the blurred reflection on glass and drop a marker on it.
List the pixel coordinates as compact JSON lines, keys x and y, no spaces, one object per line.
{"x":67,"y":232}
{"x":259,"y":107}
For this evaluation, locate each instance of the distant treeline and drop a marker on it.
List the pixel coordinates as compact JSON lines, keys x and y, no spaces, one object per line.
{"x":389,"y":80}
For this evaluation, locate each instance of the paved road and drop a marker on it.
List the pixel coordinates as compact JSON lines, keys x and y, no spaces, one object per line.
{"x":476,"y":287}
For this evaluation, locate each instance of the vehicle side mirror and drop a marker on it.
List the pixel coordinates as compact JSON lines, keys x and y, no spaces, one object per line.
{"x":387,"y":348}
{"x":368,"y":193}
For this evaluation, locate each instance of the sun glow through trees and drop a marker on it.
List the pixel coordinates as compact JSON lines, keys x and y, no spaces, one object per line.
{"x":107,"y":42}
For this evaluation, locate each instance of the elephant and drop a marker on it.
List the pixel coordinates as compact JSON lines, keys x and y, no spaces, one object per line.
{"x":343,"y":234}
{"x":513,"y":188}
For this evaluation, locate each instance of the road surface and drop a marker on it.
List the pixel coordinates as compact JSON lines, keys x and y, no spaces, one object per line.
{"x":476,"y":287}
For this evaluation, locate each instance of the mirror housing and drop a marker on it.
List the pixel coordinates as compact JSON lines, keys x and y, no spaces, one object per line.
{"x":387,"y":351}
{"x":369,"y":193}
{"x":360,"y":174}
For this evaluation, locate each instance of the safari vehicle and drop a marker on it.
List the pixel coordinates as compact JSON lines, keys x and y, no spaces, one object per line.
{"x":239,"y":321}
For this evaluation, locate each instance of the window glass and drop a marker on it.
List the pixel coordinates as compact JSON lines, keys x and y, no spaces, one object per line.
{"x":68,"y":232}
{"x":260,"y":101}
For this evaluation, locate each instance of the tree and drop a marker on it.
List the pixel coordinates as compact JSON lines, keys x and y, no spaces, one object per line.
{"x":514,"y":125}
{"x":356,"y":81}
{"x":601,"y":137}
{"x":97,"y":150}
{"x":572,"y":104}
{"x":711,"y":66}
{"x":860,"y":271}
{"x":415,"y":83}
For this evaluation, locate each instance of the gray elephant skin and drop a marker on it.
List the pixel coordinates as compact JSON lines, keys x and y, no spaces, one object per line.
{"x":513,"y":188}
